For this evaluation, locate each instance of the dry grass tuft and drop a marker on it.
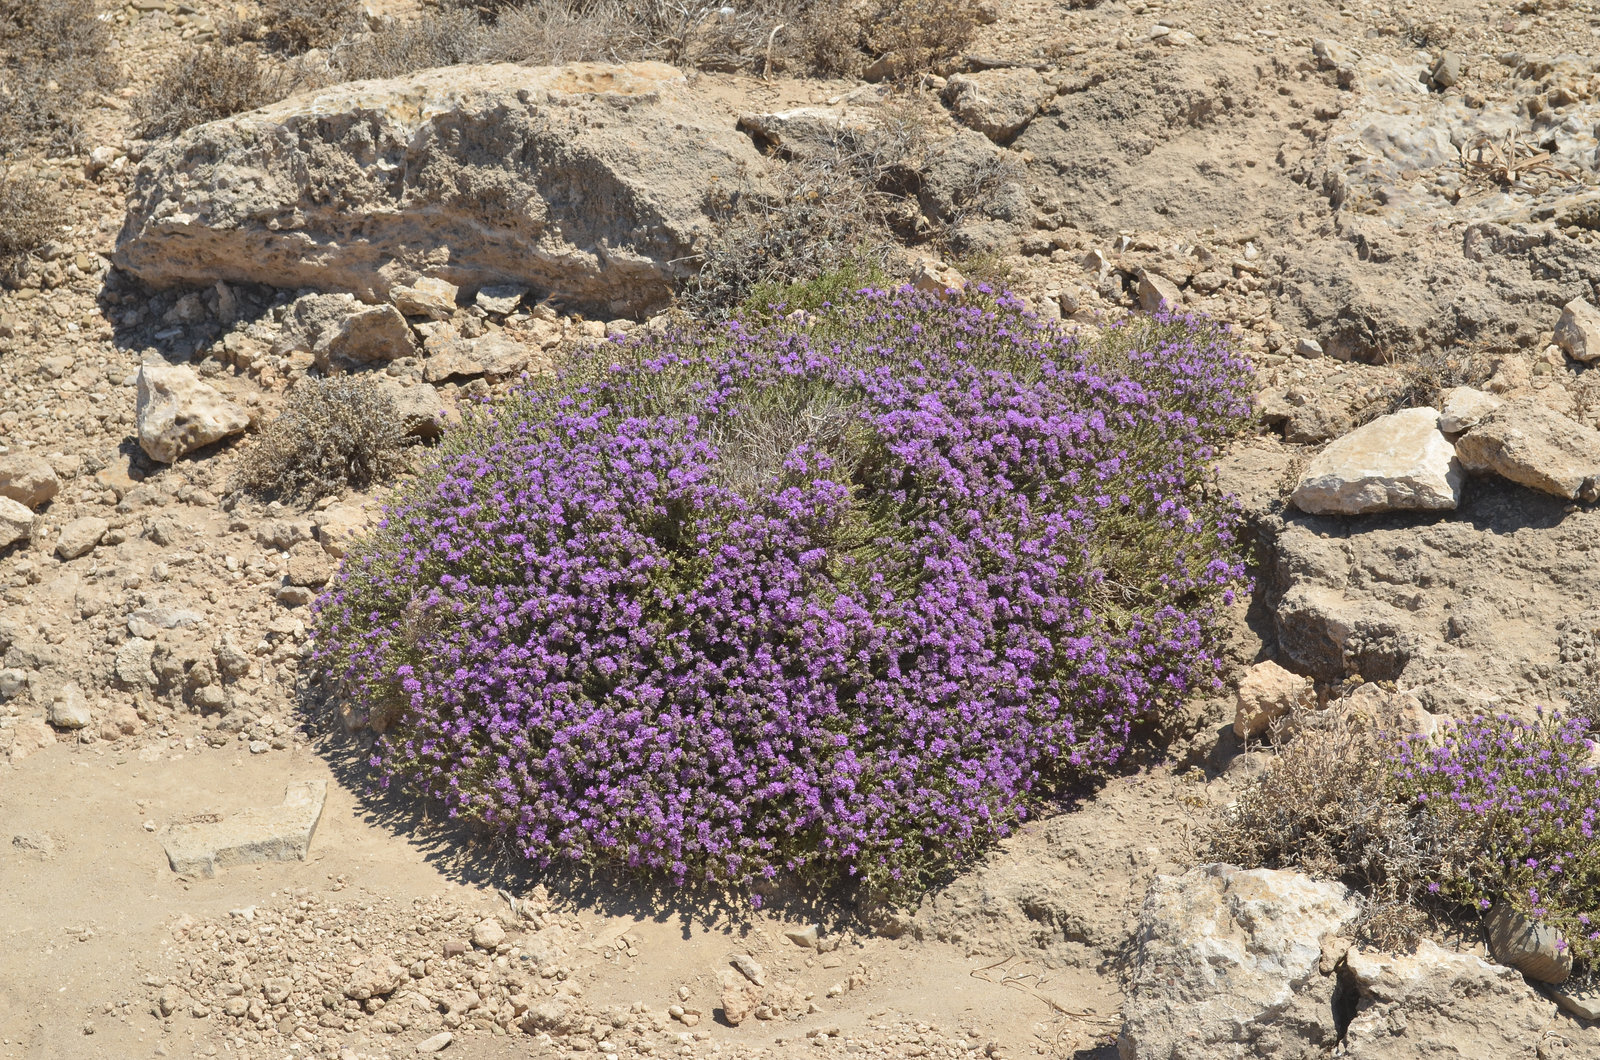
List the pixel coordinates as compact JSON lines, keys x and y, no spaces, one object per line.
{"x":210,"y":82}
{"x":52,"y":59}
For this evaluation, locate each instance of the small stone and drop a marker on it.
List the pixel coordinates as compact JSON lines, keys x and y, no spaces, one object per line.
{"x":69,"y":710}
{"x":454,"y":948}
{"x":1535,"y":950}
{"x":428,"y":297}
{"x":235,"y":1007}
{"x":16,"y":522}
{"x":1463,"y":407}
{"x":805,"y":937}
{"x":1267,"y":692}
{"x":378,"y":976}
{"x":79,"y":537}
{"x":1578,"y":330}
{"x":488,"y":934}
{"x":28,"y":479}
{"x":1308,"y":348}
{"x":935,"y":277}
{"x":1446,"y":71}
{"x":1157,"y":293}
{"x":1396,"y":462}
{"x":13,"y":682}
{"x":749,"y":968}
{"x":1582,"y":1002}
{"x":436,"y":1043}
{"x":739,"y":997}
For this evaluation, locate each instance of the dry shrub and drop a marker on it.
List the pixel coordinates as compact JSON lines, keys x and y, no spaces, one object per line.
{"x":28,"y":214}
{"x":52,"y":55}
{"x":297,"y":26}
{"x":333,"y":434}
{"x":210,"y":82}
{"x":1326,"y":807}
{"x":912,"y":36}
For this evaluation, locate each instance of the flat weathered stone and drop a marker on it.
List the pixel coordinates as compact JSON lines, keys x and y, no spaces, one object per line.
{"x":1157,"y":293}
{"x":280,"y":833}
{"x":1534,"y":446}
{"x":493,"y":354}
{"x":592,"y":182}
{"x":1462,"y":408}
{"x":1397,"y":462}
{"x":428,"y":297}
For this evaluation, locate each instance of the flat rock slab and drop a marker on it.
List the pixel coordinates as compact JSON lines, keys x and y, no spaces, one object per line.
{"x":1397,"y":462}
{"x":280,"y":833}
{"x":1534,"y":446}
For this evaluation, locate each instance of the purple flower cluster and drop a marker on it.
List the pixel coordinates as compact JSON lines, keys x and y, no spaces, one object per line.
{"x":1526,"y":797}
{"x":848,"y":595}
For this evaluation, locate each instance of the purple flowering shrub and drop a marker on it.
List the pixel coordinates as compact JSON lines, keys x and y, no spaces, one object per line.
{"x":847,"y":596}
{"x":1523,"y":798}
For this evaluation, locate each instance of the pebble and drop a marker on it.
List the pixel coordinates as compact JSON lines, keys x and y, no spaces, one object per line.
{"x":436,"y":1043}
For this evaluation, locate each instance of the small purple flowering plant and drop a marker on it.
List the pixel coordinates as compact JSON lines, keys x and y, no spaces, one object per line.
{"x":1522,"y":801}
{"x":846,"y":596}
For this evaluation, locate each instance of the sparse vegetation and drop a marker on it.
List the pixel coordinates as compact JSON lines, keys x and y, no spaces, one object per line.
{"x":333,"y":434}
{"x":52,"y":57}
{"x":210,"y":82}
{"x":1495,"y":809}
{"x":28,"y":214}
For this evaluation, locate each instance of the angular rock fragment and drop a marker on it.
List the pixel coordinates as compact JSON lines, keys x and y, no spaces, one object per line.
{"x":1578,"y":330}
{"x":279,"y":833}
{"x":428,"y":297}
{"x":1536,"y":950}
{"x":178,"y":414}
{"x":16,"y":522}
{"x":1462,"y":408}
{"x":27,"y":479}
{"x":1396,"y":462}
{"x":998,"y":103}
{"x":79,"y":537}
{"x":1267,"y":692}
{"x":1528,"y":443}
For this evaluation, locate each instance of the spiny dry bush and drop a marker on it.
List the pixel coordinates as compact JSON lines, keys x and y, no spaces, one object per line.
{"x":848,"y":599}
{"x":1492,"y":810}
{"x":333,"y":434}
{"x":52,"y":57}
{"x":28,"y":214}
{"x":209,"y":82}
{"x":297,"y":26}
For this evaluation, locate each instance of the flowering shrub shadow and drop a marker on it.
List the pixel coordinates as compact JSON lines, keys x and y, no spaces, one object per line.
{"x":842,"y":598}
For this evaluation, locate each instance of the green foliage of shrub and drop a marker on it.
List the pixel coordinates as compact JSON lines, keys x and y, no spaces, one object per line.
{"x":332,"y":435}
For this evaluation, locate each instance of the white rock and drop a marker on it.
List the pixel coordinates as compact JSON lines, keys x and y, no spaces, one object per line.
{"x":1228,"y":963}
{"x":488,"y":933}
{"x":1464,"y":407}
{"x":16,"y":522}
{"x":501,"y":299}
{"x":436,"y":1043}
{"x":1578,"y":330}
{"x":178,"y":414}
{"x":1396,"y":462}
{"x":1156,"y":293}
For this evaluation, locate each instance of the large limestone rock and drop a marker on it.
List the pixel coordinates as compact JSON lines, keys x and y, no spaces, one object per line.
{"x":178,"y":414}
{"x":1228,"y":966}
{"x":1400,"y":461}
{"x":1439,"y":1003}
{"x":590,"y":183}
{"x":1534,"y":446}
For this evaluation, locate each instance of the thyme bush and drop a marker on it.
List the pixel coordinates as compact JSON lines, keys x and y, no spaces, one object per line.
{"x":843,"y":598}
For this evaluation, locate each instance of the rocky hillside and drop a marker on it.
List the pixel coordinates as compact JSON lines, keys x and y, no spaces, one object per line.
{"x":1396,"y":211}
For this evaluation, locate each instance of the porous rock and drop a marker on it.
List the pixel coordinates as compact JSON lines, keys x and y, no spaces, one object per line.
{"x":427,"y":296}
{"x":1396,"y":462}
{"x":69,"y":709}
{"x":590,"y":182}
{"x":178,"y":414}
{"x":740,"y":997}
{"x":1530,"y":444}
{"x":1438,"y":1002}
{"x":27,"y":479}
{"x":1227,"y":965}
{"x":1267,"y":692}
